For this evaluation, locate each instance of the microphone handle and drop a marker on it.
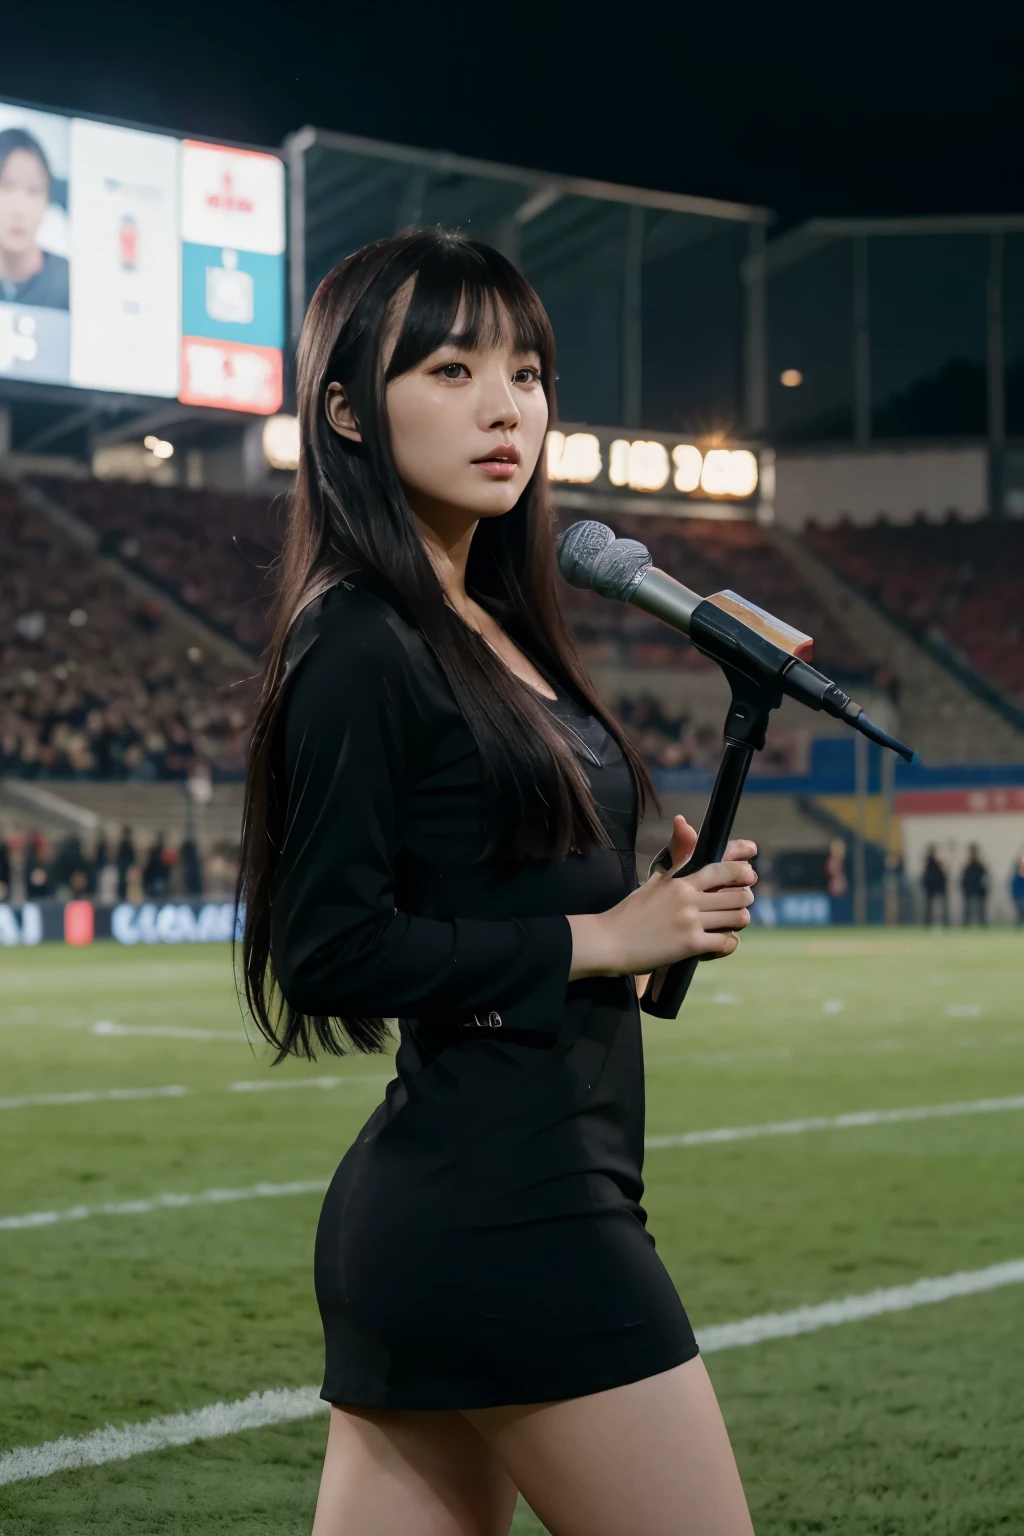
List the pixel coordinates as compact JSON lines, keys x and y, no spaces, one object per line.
{"x":665,"y":991}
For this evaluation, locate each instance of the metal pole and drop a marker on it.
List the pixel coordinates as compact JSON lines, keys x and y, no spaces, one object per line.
{"x":890,"y":883}
{"x":861,"y":343}
{"x":296,"y":146}
{"x":632,"y":320}
{"x":995,"y":374}
{"x":755,"y":328}
{"x":860,"y":886}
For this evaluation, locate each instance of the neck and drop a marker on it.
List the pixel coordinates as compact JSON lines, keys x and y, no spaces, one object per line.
{"x":17,"y":266}
{"x":446,"y":534}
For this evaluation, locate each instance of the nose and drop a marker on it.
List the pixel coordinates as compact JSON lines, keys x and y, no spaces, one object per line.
{"x":499,"y":409}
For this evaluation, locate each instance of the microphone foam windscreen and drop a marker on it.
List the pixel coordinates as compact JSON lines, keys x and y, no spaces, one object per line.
{"x":620,"y":568}
{"x":577,"y":549}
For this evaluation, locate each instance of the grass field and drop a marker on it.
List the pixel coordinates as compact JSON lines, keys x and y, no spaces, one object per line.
{"x":907,"y":1422}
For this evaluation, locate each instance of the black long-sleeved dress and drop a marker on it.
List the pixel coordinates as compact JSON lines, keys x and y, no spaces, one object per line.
{"x":483,"y":1241}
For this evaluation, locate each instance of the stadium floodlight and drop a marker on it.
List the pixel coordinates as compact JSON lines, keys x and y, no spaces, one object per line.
{"x":729,"y":472}
{"x":281,"y":442}
{"x":688,"y":462}
{"x":642,"y":465}
{"x":575,"y":458}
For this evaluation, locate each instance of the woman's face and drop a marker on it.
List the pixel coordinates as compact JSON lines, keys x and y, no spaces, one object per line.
{"x":24,"y":196}
{"x":467,"y":427}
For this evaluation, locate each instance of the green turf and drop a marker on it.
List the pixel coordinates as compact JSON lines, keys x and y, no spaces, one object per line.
{"x":904,"y":1424}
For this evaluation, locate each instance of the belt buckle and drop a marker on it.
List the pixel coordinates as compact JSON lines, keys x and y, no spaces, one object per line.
{"x":490,"y":1020}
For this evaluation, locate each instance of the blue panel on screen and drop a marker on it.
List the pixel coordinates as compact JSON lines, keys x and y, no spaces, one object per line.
{"x":232,"y":295}
{"x":35,"y":343}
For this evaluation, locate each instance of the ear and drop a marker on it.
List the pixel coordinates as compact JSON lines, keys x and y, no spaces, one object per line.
{"x":341,"y":415}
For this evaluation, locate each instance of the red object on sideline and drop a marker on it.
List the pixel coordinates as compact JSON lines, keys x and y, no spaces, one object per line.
{"x":79,"y":923}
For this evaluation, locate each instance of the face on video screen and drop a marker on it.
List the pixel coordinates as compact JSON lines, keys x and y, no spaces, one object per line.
{"x":24,"y":198}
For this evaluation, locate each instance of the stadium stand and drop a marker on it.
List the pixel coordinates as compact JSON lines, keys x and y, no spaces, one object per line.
{"x":96,"y":684}
{"x":209,"y":548}
{"x":961,"y":584}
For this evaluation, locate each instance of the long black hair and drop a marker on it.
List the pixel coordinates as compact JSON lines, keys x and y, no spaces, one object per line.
{"x":348,"y":511}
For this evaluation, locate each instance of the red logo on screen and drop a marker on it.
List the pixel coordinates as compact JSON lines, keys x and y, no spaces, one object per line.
{"x":230,"y":374}
{"x":79,"y":923}
{"x":227,"y":199}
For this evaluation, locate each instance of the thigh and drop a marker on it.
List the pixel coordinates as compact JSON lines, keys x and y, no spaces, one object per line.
{"x":421,"y":1473}
{"x":652,"y":1458}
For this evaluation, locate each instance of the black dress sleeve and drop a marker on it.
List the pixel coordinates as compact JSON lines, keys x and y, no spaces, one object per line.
{"x":351,"y":729}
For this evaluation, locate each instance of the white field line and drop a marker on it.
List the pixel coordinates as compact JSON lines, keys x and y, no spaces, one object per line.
{"x":176,"y":1091}
{"x":264,"y":1409}
{"x":166,"y":1031}
{"x":854,"y":1121}
{"x":256,"y":1411}
{"x":169,"y":1202}
{"x":93,"y":1096}
{"x":848,"y":1122}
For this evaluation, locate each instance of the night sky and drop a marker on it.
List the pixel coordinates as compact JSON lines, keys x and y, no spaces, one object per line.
{"x":817,"y":108}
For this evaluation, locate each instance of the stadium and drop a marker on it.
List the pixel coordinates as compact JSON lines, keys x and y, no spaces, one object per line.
{"x":826,"y":419}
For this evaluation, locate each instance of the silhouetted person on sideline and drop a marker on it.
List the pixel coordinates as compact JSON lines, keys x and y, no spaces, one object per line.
{"x":156,"y":875}
{"x":1017,"y":890}
{"x":124,"y":861}
{"x":935,"y":883}
{"x":191,"y":868}
{"x":974,"y":885}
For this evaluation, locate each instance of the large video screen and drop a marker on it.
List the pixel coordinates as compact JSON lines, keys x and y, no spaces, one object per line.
{"x":139,"y":262}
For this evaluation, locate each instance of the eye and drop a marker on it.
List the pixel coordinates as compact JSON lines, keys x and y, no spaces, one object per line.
{"x":452,"y":371}
{"x":526,"y":376}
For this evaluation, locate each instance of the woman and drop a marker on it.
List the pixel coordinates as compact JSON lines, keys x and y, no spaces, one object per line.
{"x":440,"y":827}
{"x":28,"y":274}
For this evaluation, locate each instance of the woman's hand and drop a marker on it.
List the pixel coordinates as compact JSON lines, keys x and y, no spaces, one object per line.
{"x":665,"y":919}
{"x":680,"y":847}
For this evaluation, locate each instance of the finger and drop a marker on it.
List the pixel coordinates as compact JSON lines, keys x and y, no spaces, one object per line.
{"x":714,"y":945}
{"x":727,"y":872}
{"x":741,"y":848}
{"x":725,"y":900}
{"x":725,"y":922}
{"x":682,"y":843}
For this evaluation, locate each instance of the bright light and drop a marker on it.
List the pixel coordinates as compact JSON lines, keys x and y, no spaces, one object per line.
{"x":576,"y":458}
{"x":150,"y":441}
{"x":729,"y":472}
{"x":643,"y":466}
{"x":281,"y":442}
{"x":688,"y":462}
{"x":158,"y":447}
{"x":791,"y":378}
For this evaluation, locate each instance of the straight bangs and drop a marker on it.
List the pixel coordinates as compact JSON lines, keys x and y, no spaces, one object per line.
{"x":470,"y":296}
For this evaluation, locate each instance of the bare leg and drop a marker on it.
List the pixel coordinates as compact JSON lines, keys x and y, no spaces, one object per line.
{"x":649,"y":1459}
{"x":417,"y":1473}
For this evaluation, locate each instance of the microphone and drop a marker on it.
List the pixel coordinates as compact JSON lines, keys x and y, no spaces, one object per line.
{"x":735,"y":633}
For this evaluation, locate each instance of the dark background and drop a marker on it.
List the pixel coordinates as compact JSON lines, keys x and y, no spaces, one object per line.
{"x":816,"y":108}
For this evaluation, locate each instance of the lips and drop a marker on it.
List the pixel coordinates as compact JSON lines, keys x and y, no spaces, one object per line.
{"x":505,"y":453}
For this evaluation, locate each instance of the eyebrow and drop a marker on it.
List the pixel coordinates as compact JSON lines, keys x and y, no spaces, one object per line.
{"x":467,"y":340}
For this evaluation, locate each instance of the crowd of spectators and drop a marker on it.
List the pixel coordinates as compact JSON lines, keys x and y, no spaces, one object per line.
{"x":97,"y":684}
{"x":961,"y":584}
{"x":94,"y":683}
{"x":34,"y":868}
{"x":215,"y":550}
{"x":210,"y":548}
{"x":666,"y":739}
